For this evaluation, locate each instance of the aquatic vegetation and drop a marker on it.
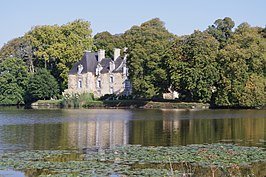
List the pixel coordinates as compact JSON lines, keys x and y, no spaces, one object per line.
{"x":130,"y":160}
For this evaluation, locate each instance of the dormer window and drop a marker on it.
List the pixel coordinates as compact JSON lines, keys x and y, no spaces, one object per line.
{"x":80,"y":68}
{"x":98,"y":70}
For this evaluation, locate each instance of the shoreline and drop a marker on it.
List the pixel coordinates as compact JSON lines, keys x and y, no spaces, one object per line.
{"x":134,"y":104}
{"x":124,"y":104}
{"x":129,"y":104}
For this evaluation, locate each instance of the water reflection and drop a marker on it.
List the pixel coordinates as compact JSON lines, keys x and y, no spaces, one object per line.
{"x":63,"y":129}
{"x":181,"y":127}
{"x":98,"y":133}
{"x":66,"y":129}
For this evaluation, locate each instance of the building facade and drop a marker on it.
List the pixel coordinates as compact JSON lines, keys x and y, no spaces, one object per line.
{"x":99,"y":75}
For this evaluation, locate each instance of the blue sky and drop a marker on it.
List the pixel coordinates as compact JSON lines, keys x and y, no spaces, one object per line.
{"x":180,"y":17}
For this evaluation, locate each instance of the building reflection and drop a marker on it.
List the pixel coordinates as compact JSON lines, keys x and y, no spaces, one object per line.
{"x":68,"y":129}
{"x":98,"y":133}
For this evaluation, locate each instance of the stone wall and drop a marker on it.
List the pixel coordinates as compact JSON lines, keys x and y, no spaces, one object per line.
{"x":80,"y":83}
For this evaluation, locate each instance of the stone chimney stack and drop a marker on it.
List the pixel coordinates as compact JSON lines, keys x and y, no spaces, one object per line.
{"x":116,"y":53}
{"x":101,"y":55}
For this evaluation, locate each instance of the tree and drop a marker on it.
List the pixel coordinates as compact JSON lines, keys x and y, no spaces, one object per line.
{"x":17,"y":68}
{"x":242,"y":69}
{"x":57,"y":48}
{"x":19,"y":48}
{"x":42,"y":85}
{"x":222,"y":30}
{"x":147,"y":44}
{"x":108,"y":42}
{"x":254,"y":91}
{"x":193,"y":67}
{"x":10,"y":91}
{"x":12,"y":48}
{"x":14,"y":79}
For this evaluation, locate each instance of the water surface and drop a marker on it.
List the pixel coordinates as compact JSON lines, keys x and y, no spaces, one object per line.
{"x":29,"y":129}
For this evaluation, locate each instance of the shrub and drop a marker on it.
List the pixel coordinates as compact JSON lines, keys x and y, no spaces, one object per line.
{"x":77,"y":100}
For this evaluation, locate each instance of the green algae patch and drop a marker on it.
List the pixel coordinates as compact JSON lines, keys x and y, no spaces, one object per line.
{"x":134,"y":160}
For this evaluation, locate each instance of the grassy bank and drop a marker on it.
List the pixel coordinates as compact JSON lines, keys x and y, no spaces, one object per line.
{"x":143,"y":104}
{"x":47,"y":104}
{"x":86,"y":100}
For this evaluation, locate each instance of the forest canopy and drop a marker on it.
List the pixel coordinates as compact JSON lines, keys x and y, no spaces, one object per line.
{"x":223,"y":65}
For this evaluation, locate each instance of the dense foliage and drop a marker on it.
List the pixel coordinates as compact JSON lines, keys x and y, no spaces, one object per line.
{"x":192,"y":66}
{"x":13,"y":81}
{"x":220,"y":65}
{"x":147,"y":44}
{"x":42,"y":85}
{"x":55,"y":48}
{"x":108,"y":42}
{"x":242,"y":72}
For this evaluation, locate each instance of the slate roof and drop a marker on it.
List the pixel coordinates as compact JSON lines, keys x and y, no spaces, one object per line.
{"x":89,"y":62}
{"x":119,"y":65}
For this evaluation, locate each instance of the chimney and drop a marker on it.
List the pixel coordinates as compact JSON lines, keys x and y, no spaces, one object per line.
{"x":101,"y":55}
{"x":116,"y":53}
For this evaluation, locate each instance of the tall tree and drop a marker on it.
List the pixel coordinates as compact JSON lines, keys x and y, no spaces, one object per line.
{"x":222,"y":30}
{"x":108,"y":42}
{"x":242,"y":62}
{"x":17,"y":68}
{"x":13,"y":81}
{"x":193,"y":67}
{"x":11,"y":48}
{"x":147,"y":44}
{"x":57,"y":48}
{"x":10,"y":91}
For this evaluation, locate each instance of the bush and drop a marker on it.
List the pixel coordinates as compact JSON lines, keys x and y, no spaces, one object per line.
{"x":42,"y":85}
{"x":77,"y":100}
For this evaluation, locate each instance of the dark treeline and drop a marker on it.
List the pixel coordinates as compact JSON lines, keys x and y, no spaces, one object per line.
{"x":223,"y":65}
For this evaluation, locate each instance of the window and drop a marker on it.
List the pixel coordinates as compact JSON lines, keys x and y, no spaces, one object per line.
{"x":80,"y":83}
{"x":80,"y":68}
{"x":111,"y":79}
{"x":99,"y":84}
{"x":97,"y":72}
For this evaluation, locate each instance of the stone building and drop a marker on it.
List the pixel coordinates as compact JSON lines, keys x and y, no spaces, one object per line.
{"x":99,"y":75}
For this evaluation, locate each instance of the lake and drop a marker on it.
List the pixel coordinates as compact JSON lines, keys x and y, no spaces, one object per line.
{"x":32,"y":129}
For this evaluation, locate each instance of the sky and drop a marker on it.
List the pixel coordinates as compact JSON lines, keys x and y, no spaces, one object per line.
{"x":116,"y":16}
